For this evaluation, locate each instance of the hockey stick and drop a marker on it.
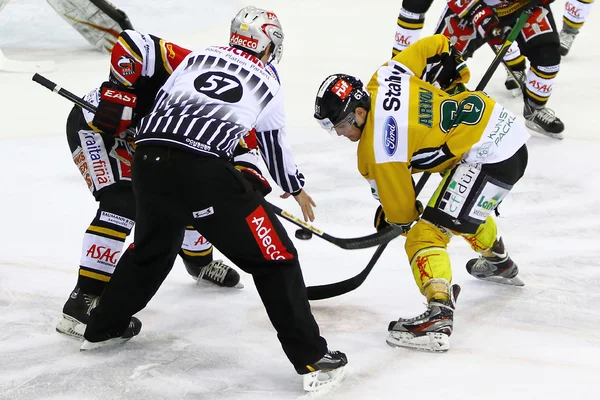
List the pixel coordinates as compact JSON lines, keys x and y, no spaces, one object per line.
{"x":53,"y":87}
{"x":362,"y":242}
{"x":320,"y":292}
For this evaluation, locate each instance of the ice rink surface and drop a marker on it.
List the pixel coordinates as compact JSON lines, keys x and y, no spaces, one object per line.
{"x":541,"y":341}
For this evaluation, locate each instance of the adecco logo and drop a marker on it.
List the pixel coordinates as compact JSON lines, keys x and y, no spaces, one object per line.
{"x":390,"y":136}
{"x":243,"y":41}
{"x":266,"y":236}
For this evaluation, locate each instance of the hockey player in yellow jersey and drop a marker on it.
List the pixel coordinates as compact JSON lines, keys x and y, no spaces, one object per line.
{"x":405,"y":125}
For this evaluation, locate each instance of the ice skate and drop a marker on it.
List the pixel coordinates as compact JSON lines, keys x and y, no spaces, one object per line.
{"x":134,"y":328}
{"x":216,"y":272}
{"x":325,"y":373}
{"x":429,"y":331}
{"x":567,"y":37}
{"x":76,"y":313}
{"x":544,"y":121}
{"x":514,"y":82}
{"x":497,"y":267}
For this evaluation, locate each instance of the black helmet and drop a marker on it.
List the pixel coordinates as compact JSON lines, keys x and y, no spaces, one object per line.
{"x":338,"y":96}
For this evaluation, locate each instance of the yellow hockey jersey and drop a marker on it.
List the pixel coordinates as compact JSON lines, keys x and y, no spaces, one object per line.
{"x":413,"y":127}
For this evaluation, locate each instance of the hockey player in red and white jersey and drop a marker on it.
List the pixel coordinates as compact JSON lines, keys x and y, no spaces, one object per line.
{"x":469,"y":24}
{"x":182,"y":175}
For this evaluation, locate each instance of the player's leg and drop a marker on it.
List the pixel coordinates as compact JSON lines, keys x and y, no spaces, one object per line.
{"x":108,"y":179}
{"x":197,"y":255}
{"x":161,"y":218}
{"x":410,"y":23}
{"x":494,"y":263}
{"x":262,"y":247}
{"x":575,"y":14}
{"x":540,"y":43}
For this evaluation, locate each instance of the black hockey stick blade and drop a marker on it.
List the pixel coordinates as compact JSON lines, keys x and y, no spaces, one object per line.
{"x":321,"y":292}
{"x":362,"y":242}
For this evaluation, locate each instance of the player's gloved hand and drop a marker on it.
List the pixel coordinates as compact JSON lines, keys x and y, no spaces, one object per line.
{"x":448,"y":70}
{"x":115,"y":110}
{"x":380,"y":222}
{"x":486,"y":23}
{"x":258,"y":182}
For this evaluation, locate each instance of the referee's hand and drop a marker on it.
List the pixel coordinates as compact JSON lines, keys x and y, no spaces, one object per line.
{"x":306,"y":204}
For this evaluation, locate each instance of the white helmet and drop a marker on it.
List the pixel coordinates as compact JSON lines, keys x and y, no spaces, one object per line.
{"x":255,"y":29}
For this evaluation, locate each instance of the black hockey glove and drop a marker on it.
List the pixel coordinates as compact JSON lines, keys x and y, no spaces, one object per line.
{"x":258,"y":182}
{"x":115,"y":110}
{"x":447,"y":70}
{"x":380,"y":222}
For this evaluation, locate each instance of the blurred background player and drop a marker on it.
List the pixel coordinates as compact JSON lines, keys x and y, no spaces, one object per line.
{"x":574,"y":16}
{"x":408,"y":30}
{"x":98,"y":21}
{"x":469,"y":24}
{"x":405,"y":125}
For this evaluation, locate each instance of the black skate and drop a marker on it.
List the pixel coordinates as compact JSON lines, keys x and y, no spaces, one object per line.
{"x":429,"y":331}
{"x":328,"y":371}
{"x":76,"y":313}
{"x":134,"y":328}
{"x":544,"y":121}
{"x":567,"y":37}
{"x":498,"y":268}
{"x":216,"y":272}
{"x":514,"y":82}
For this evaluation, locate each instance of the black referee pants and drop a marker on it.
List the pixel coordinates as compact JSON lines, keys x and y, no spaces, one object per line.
{"x":175,"y":188}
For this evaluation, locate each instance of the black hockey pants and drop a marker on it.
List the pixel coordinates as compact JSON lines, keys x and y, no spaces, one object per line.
{"x":174,"y":188}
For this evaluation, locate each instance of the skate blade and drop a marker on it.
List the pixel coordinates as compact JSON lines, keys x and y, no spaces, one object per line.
{"x":204,"y":282}
{"x":71,"y":327}
{"x":436,"y":342}
{"x":87,"y":345}
{"x":320,"y":381}
{"x":535,"y":127}
{"x":516,"y":281}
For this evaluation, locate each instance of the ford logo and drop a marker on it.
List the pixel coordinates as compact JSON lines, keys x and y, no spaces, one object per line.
{"x":390,"y":136}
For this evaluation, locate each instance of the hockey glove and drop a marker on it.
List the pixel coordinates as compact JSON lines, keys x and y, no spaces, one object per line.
{"x":256,"y":180}
{"x":486,"y":24}
{"x":115,"y":110}
{"x":451,"y":68}
{"x":380,"y":222}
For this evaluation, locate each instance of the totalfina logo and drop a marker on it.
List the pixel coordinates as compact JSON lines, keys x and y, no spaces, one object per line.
{"x":390,"y":136}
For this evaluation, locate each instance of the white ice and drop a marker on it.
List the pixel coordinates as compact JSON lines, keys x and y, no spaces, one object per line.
{"x":536,"y":342}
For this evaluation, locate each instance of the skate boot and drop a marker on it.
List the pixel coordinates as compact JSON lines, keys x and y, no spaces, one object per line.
{"x":514,"y":81}
{"x":544,"y":121}
{"x":76,"y":313}
{"x":327,"y":372}
{"x":134,"y":328}
{"x":495,"y":266}
{"x":216,"y":272}
{"x":567,"y":37}
{"x":429,"y":331}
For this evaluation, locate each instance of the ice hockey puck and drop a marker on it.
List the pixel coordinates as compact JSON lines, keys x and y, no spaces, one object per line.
{"x":303,"y":234}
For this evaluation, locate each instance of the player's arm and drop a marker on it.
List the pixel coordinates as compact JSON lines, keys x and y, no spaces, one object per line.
{"x":394,"y":188}
{"x":277,"y":154}
{"x":435,"y":61}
